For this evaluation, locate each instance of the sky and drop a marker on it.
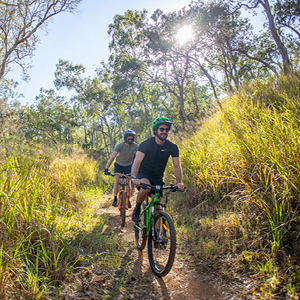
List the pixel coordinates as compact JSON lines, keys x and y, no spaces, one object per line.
{"x":81,"y":39}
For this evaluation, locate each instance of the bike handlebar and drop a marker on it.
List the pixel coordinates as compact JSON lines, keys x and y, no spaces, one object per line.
{"x":122,"y":175}
{"x":171,"y":187}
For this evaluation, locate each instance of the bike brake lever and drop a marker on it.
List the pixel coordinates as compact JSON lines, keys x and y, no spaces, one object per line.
{"x":144,"y":186}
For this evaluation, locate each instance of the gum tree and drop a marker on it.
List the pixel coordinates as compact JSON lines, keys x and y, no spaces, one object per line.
{"x":274,"y":30}
{"x":19,"y":22}
{"x":92,"y":102}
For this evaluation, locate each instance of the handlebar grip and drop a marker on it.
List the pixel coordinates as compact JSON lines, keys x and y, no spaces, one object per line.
{"x":175,"y":189}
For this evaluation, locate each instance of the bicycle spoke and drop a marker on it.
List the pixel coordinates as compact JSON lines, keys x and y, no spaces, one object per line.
{"x":140,"y":232}
{"x":162,"y":245}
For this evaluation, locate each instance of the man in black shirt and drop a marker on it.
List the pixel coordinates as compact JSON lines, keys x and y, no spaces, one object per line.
{"x":151,"y":160}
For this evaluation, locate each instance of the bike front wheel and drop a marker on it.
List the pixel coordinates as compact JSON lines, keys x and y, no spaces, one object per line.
{"x":162,"y":244}
{"x":123,"y":208}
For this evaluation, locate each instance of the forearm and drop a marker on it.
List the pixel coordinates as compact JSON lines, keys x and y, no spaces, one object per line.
{"x":109,"y":163}
{"x":113,"y":156}
{"x":137,"y":162}
{"x":178,"y":174}
{"x":135,"y":168}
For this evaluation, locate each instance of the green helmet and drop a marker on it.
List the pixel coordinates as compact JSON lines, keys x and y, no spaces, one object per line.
{"x":161,"y":120}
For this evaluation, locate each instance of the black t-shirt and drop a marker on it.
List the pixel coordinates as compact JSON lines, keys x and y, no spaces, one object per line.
{"x":156,"y":157}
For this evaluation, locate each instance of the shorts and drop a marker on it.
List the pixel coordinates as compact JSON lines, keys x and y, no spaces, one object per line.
{"x":122,"y":169}
{"x":153,"y":181}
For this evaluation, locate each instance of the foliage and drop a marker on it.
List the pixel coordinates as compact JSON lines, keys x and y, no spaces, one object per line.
{"x":240,"y":161}
{"x":41,"y":211}
{"x":151,"y":72}
{"x":241,"y":169}
{"x":19,"y":23}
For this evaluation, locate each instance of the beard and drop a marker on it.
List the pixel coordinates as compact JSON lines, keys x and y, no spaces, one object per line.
{"x":162,"y":138}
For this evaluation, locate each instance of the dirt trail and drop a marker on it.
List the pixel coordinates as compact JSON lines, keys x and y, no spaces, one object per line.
{"x":181,"y":283}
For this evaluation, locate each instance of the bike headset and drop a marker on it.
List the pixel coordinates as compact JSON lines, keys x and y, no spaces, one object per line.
{"x":131,"y":133}
{"x":160,"y":121}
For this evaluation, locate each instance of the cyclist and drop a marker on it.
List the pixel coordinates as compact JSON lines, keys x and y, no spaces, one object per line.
{"x":124,"y":153}
{"x":151,"y":160}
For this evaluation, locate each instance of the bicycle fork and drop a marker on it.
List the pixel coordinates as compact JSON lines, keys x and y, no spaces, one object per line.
{"x":127,"y":198}
{"x":154,"y":211}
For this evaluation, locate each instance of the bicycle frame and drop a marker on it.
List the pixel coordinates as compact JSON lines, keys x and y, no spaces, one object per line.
{"x":150,"y":213}
{"x":123,"y":184}
{"x":156,"y":226}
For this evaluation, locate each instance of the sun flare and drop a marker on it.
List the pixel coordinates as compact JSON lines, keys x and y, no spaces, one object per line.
{"x":184,"y":34}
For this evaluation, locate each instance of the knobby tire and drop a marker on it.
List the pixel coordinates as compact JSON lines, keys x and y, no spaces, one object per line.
{"x":123,"y":208}
{"x":161,"y":252}
{"x":140,"y":234}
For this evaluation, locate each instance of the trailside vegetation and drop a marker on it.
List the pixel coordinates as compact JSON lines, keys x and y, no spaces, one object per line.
{"x":232,"y":93}
{"x":47,"y":211}
{"x":241,"y":168}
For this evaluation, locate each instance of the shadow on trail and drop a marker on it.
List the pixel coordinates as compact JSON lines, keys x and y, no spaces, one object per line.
{"x":133,"y":279}
{"x":137,"y":284}
{"x":160,"y":282}
{"x":118,"y":270}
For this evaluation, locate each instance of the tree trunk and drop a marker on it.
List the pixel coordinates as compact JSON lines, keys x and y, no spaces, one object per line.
{"x":282,"y":49}
{"x":146,"y":115}
{"x":183,"y":116}
{"x":112,"y":146}
{"x":93,"y":133}
{"x":197,"y":62}
{"x":85,"y":134}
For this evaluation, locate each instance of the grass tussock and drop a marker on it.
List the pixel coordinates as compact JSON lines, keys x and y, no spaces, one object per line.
{"x":45,"y":214}
{"x":242,"y":173}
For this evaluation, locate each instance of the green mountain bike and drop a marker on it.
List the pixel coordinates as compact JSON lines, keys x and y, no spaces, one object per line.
{"x":157,"y":225}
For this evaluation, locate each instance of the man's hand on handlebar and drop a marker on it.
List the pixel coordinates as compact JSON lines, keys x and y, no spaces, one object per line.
{"x":106,"y":172}
{"x":180,"y":186}
{"x":135,"y":181}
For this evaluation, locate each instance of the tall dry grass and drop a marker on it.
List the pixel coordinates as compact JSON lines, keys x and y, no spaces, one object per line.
{"x":42,"y":207}
{"x":242,"y":172}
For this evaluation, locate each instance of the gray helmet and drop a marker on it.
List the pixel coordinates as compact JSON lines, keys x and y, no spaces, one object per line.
{"x":129,"y":132}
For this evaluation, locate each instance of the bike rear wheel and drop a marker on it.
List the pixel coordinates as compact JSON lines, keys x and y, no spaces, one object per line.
{"x":140,"y":232}
{"x":162,"y":246}
{"x":123,"y":208}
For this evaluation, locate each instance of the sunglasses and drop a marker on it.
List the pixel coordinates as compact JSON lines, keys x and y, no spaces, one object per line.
{"x":162,"y":129}
{"x":129,"y":139}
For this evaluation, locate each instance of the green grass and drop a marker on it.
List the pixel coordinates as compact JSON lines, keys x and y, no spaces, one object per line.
{"x":45,"y":208}
{"x":241,"y":169}
{"x":240,"y":215}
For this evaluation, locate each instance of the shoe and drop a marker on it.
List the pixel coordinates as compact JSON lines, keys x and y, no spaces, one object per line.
{"x":136,"y":214}
{"x":135,"y":218}
{"x":115,"y":202}
{"x":160,"y":244}
{"x":129,"y":204}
